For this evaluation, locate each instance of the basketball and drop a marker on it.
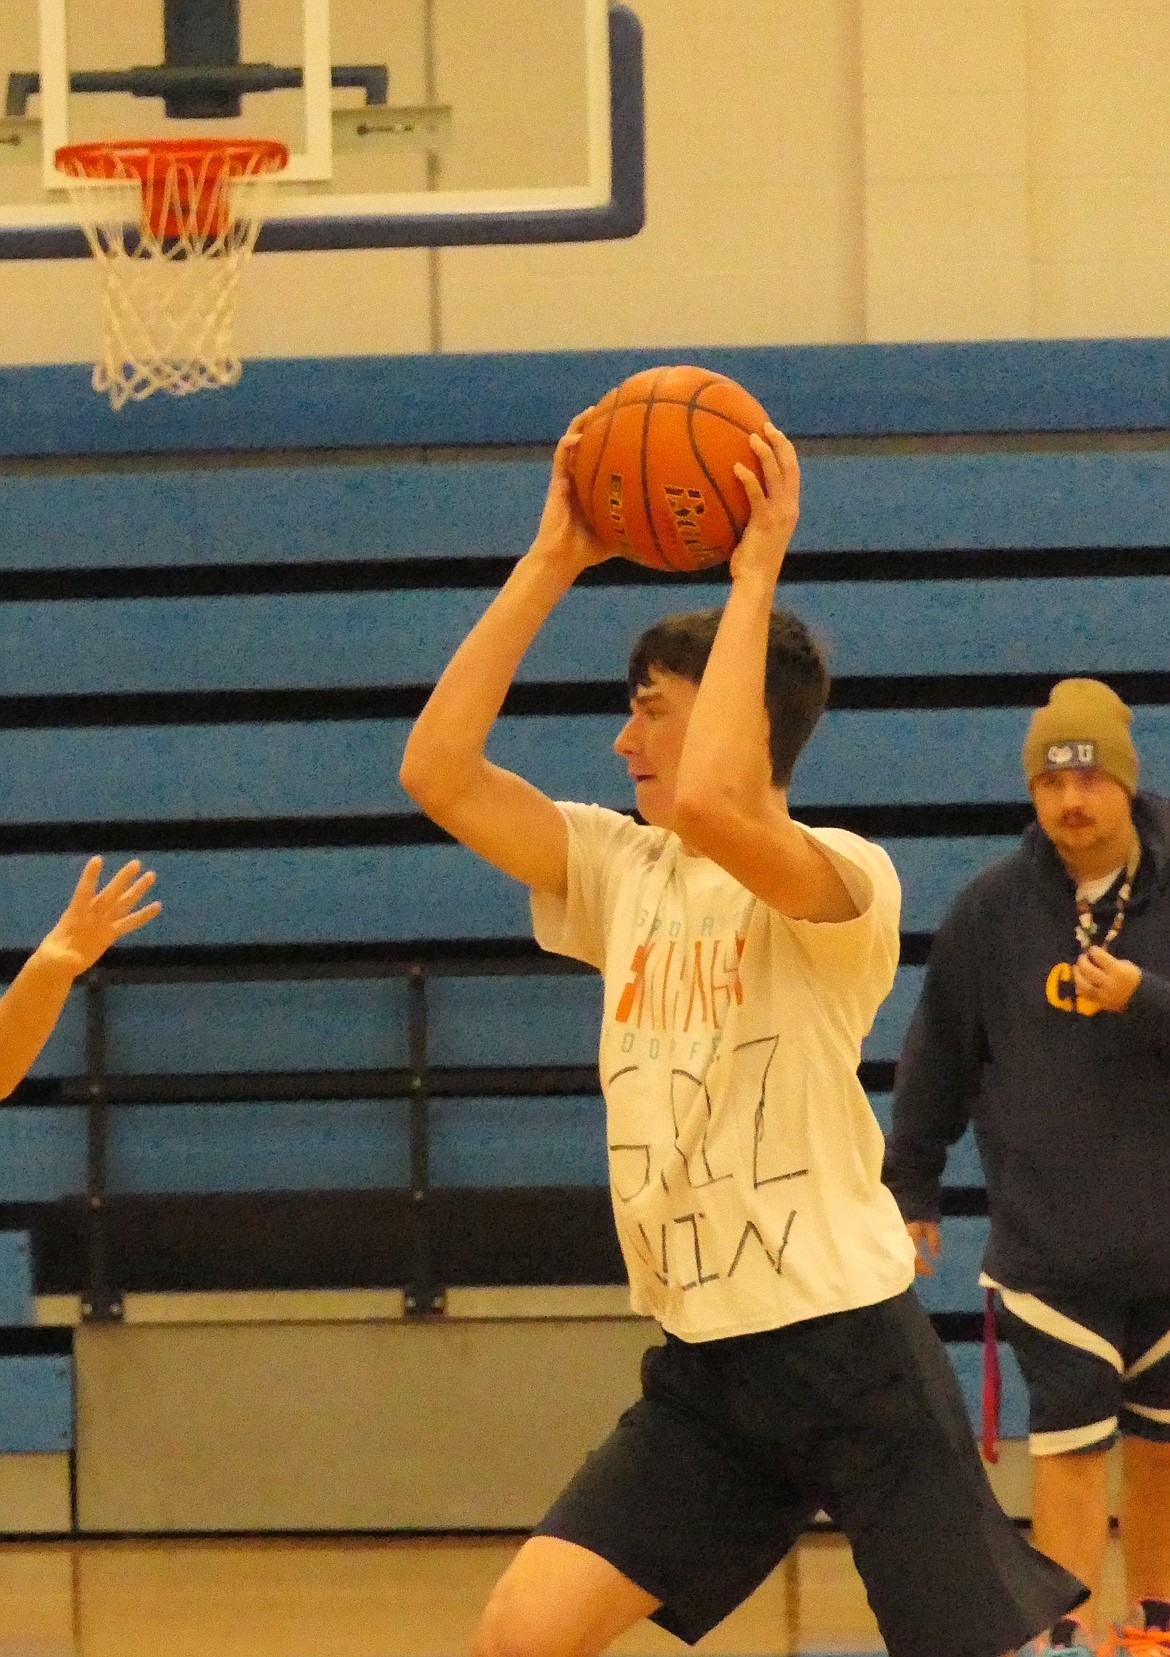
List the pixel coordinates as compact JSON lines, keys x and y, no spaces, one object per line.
{"x":654,"y":472}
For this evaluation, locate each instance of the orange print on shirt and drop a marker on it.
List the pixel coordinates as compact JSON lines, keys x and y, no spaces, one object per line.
{"x":709,"y":979}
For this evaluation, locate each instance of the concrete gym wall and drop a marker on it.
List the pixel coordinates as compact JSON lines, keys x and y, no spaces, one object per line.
{"x":819,"y":171}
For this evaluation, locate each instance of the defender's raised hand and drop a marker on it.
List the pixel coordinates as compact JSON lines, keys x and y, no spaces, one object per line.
{"x":95,"y":919}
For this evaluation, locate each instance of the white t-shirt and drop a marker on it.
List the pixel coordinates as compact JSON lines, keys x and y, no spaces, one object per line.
{"x":745,"y":1161}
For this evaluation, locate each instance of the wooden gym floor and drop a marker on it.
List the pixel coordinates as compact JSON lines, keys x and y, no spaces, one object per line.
{"x":365,"y":1598}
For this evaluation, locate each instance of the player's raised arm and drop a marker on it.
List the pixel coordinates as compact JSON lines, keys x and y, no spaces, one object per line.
{"x":444,"y":769}
{"x":729,"y":804}
{"x":94,"y":919}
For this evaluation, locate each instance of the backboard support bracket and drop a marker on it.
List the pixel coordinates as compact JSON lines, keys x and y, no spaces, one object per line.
{"x":170,"y":81}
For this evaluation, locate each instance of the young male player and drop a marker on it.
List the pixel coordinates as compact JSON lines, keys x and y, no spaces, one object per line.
{"x":743,"y":957}
{"x":93,"y":920}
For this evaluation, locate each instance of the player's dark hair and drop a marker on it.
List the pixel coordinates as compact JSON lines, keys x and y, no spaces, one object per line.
{"x":796,"y":675}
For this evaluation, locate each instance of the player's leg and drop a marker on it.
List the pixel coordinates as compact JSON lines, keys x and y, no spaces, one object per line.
{"x":943,"y":1566}
{"x":1070,"y":1355}
{"x":1145,"y":1519}
{"x":1070,"y":1517}
{"x":1145,"y":1485}
{"x":558,"y":1600}
{"x":670,"y":1518}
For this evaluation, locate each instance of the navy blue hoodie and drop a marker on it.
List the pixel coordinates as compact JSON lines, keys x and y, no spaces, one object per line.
{"x":1071,"y":1111}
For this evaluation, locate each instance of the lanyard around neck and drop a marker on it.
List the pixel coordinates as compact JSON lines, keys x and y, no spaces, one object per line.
{"x":1086,"y":927}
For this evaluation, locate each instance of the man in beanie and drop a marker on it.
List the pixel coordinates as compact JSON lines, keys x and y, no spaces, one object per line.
{"x":1045,"y":1022}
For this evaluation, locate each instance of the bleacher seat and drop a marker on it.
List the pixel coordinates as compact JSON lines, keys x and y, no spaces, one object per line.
{"x":36,"y":1389}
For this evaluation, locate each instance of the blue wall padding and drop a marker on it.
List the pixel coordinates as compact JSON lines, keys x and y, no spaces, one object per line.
{"x":36,"y":1404}
{"x":967,"y":1359}
{"x":16,"y":1279}
{"x":348,"y":768}
{"x":315,"y":640}
{"x":379,"y":893}
{"x":963,"y":1165}
{"x":518,"y":1142}
{"x":302,"y":1145}
{"x":490,"y":508}
{"x":529,"y":397}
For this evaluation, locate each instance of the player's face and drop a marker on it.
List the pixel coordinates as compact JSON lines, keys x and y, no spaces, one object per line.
{"x":651,"y":742}
{"x":1085,"y":813}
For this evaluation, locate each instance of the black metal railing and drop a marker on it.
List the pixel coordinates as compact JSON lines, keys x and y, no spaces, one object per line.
{"x":100,"y":1090}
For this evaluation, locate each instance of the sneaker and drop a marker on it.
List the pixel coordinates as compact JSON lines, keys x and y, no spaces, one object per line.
{"x":1152,"y":1639}
{"x":1067,"y":1638}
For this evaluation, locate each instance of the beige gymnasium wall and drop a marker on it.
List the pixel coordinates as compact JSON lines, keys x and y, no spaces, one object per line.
{"x":819,"y":171}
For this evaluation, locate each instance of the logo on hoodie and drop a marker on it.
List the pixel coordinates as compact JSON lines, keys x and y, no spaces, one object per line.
{"x":1061,"y":992}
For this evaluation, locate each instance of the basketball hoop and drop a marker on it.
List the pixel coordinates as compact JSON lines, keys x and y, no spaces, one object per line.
{"x":174,"y":222}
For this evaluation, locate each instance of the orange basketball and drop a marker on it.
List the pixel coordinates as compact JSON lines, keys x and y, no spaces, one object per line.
{"x":653,"y":470}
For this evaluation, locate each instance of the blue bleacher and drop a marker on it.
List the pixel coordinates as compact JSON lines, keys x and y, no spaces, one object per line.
{"x":16,"y":1279}
{"x":348,"y":768}
{"x":395,"y":893}
{"x":405,"y":636}
{"x":36,"y":1404}
{"x":36,"y":1390}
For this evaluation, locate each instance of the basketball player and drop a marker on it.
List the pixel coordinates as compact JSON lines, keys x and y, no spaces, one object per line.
{"x":93,"y":920}
{"x":743,"y":957}
{"x":1045,"y":1020}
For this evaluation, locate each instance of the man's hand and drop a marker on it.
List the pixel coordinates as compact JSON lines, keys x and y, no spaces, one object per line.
{"x":927,"y":1240}
{"x":94,"y":920}
{"x":1101,"y":977}
{"x":563,"y":536}
{"x":775,"y":505}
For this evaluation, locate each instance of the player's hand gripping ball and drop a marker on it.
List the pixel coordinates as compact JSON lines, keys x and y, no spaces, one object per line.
{"x":654,"y":469}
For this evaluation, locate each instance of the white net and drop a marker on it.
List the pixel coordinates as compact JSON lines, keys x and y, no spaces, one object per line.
{"x":173,"y":230}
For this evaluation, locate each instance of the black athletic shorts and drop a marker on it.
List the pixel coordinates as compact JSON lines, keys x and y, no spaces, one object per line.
{"x":709,"y":1479}
{"x":1094,"y":1366}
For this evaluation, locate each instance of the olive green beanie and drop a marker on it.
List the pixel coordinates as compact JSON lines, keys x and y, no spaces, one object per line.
{"x":1082,"y":724}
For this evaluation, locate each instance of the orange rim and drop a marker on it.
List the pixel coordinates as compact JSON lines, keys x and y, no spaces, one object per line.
{"x":180,"y":177}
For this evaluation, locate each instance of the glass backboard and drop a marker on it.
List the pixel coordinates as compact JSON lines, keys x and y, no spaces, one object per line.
{"x":409,"y":122}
